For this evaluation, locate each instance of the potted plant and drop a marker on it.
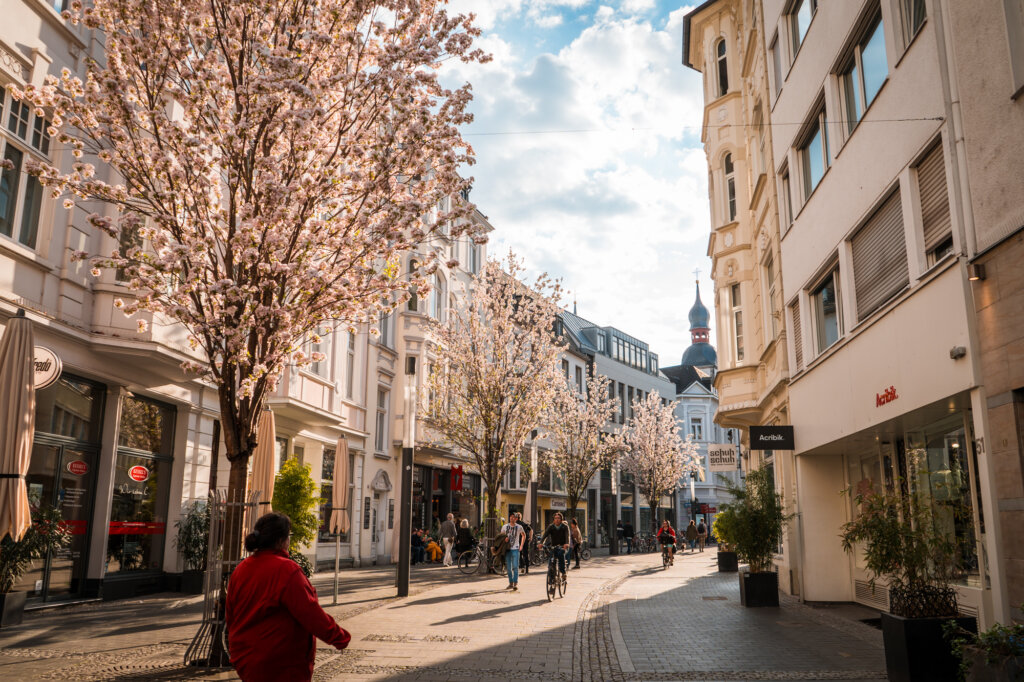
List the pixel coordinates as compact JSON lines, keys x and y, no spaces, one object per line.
{"x":995,"y":655}
{"x":295,"y":494}
{"x":902,"y":544}
{"x":758,"y":520}
{"x":724,"y":530}
{"x":191,"y":541}
{"x":45,"y":536}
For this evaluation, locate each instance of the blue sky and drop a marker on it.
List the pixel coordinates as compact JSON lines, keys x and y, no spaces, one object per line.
{"x":589,"y":163}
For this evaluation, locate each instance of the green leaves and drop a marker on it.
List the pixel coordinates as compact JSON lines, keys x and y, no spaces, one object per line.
{"x":47,"y":534}
{"x":295,"y":494}
{"x":758,"y":519}
{"x":193,"y":534}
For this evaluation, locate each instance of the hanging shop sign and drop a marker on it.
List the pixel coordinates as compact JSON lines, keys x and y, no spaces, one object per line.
{"x":456,"y":482}
{"x":772,"y":438}
{"x":78,"y":467}
{"x":557,"y":503}
{"x":47,"y":367}
{"x":722,"y":457}
{"x":138,"y":473}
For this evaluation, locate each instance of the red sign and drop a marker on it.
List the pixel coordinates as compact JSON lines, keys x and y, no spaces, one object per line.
{"x":78,"y":467}
{"x":137,"y":528}
{"x":886,"y":396}
{"x":138,"y":473}
{"x":456,"y":478}
{"x":75,"y":526}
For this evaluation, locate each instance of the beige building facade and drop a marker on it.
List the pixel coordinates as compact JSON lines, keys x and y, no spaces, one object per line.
{"x":723,"y":39}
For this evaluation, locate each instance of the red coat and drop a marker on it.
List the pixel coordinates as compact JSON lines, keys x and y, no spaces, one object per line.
{"x":273,"y":615}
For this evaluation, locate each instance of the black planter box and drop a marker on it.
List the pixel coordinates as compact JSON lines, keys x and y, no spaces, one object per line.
{"x":12,"y":608}
{"x":759,"y":589}
{"x":192,"y":582}
{"x":727,"y":562}
{"x":916,"y":651}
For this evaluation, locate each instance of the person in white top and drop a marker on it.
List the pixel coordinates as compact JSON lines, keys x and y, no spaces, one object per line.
{"x":448,"y":533}
{"x":514,"y":532}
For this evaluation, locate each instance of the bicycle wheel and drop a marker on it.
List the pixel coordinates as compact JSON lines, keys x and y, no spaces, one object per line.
{"x":552,"y":579}
{"x":664,"y":558}
{"x":561,"y":585}
{"x":468,"y":561}
{"x":586,"y":554}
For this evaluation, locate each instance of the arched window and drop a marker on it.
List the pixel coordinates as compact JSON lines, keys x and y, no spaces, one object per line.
{"x":438,"y":297}
{"x":414,"y":300}
{"x":730,"y":188}
{"x":723,"y":70}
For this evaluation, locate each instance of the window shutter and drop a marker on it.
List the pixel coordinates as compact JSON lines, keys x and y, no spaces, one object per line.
{"x":931,"y":181}
{"x":880,"y":257}
{"x":798,"y":339}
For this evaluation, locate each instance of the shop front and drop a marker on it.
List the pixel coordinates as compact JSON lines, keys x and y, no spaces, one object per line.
{"x":438,"y":491}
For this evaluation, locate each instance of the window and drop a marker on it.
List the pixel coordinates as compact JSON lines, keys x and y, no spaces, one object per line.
{"x":31,"y":196}
{"x":776,"y":50}
{"x":438,"y":298}
{"x":319,"y":344}
{"x":282,"y":451}
{"x":880,"y":257}
{"x":935,"y":220}
{"x":798,"y":340}
{"x":828,"y":323}
{"x":913,"y":18}
{"x":800,"y":20}
{"x":40,"y":136}
{"x":413,"y":304}
{"x":771,"y":294}
{"x":579,"y":380}
{"x":629,"y":402}
{"x":18,"y":118}
{"x":382,"y":421}
{"x":762,"y":143}
{"x":384,"y":327}
{"x":737,"y":320}
{"x":864,"y":74}
{"x":565,"y":370}
{"x":730,"y":184}
{"x":622,"y":403}
{"x":697,"y":428}
{"x":814,"y":154}
{"x":350,"y":367}
{"x":786,"y":209}
{"x":474,"y":258}
{"x":723,"y":69}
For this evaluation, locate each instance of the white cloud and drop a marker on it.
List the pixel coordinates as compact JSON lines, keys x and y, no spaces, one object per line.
{"x":618,"y":210}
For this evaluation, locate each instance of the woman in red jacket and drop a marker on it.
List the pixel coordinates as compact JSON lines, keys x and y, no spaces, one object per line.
{"x":272,"y":610}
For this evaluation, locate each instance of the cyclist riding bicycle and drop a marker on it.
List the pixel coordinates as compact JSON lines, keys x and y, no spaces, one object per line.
{"x":558,"y":533}
{"x":667,"y":538}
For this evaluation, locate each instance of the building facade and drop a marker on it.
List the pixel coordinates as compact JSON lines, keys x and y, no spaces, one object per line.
{"x":724,"y":41}
{"x":697,"y":405}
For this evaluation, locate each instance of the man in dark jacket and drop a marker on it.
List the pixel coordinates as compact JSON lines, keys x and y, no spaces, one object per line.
{"x":524,"y":556}
{"x":558,"y":532}
{"x":627,"y":532}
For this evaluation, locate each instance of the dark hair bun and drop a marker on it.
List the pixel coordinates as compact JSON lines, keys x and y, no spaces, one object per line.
{"x":271,"y":529}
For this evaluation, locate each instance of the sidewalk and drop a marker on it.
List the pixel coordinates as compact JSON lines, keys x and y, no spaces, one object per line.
{"x":623,"y":619}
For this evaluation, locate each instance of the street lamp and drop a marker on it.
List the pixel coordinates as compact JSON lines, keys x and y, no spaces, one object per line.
{"x":405,"y":503}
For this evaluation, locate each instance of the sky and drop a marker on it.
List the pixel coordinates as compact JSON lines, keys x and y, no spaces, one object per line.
{"x":589,"y":162}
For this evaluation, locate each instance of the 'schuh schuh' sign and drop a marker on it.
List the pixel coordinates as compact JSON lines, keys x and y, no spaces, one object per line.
{"x":722,"y":457}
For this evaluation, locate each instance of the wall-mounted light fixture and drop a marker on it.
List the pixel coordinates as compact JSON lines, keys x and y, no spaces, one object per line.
{"x":975,"y":272}
{"x":957,"y":352}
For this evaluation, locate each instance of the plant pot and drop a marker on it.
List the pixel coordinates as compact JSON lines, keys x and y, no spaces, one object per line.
{"x":1001,"y":669}
{"x":917,"y":651}
{"x":727,"y":562}
{"x":759,"y":589}
{"x":192,"y":582}
{"x":12,"y":608}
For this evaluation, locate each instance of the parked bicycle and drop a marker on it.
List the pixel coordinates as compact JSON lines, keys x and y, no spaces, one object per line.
{"x":469,"y":562}
{"x":585,"y":552}
{"x":540,"y":554}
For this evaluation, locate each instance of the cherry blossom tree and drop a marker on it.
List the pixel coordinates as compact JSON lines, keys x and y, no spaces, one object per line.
{"x":576,"y":425}
{"x":654,"y":453}
{"x":496,"y":370}
{"x":264,"y":165}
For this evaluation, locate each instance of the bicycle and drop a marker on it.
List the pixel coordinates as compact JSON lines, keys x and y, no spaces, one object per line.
{"x":666,"y":560}
{"x":469,"y":562}
{"x":540,"y":554}
{"x":585,"y":552}
{"x":556,"y":580}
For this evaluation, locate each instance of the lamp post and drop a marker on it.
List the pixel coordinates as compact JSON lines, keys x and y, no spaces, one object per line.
{"x":405,"y":503}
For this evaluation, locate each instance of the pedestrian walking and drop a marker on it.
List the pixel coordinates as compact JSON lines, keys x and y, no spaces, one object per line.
{"x":524,"y":553}
{"x":273,"y":613}
{"x":448,"y":533}
{"x":515,"y":535}
{"x":577,"y":540}
{"x":464,"y":539}
{"x":627,"y":530}
{"x":702,"y":534}
{"x":691,"y":535}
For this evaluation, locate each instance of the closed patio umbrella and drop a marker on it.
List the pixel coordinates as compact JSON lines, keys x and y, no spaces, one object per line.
{"x":17,"y":424}
{"x":263,"y":461}
{"x":339,"y":504}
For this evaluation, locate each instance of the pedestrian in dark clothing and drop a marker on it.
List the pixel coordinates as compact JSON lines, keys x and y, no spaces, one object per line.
{"x":691,"y":535}
{"x":560,"y":540}
{"x":702,"y":534}
{"x":627,"y":531}
{"x":524,"y":555}
{"x":464,"y":540}
{"x":418,"y":548}
{"x":273,"y":614}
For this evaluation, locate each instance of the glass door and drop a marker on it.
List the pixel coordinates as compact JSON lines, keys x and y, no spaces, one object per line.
{"x":61,"y":476}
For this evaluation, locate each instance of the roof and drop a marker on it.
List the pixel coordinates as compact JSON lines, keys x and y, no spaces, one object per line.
{"x":686,"y":31}
{"x":574,"y":324}
{"x":700,"y":354}
{"x":684,"y":376}
{"x":699,"y":315}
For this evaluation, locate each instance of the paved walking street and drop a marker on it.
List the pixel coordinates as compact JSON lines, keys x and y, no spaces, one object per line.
{"x":622,"y":618}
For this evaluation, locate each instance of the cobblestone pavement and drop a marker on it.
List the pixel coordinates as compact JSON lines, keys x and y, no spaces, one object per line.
{"x":623,"y":619}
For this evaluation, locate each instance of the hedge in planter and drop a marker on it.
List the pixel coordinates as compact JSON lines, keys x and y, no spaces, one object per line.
{"x":724,"y":530}
{"x":192,"y":539}
{"x":46,"y":535}
{"x":295,"y":494}
{"x":758,"y":519}
{"x":903,"y":544}
{"x":995,"y":655}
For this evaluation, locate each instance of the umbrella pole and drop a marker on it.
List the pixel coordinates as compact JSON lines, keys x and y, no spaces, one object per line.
{"x":337,"y":554}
